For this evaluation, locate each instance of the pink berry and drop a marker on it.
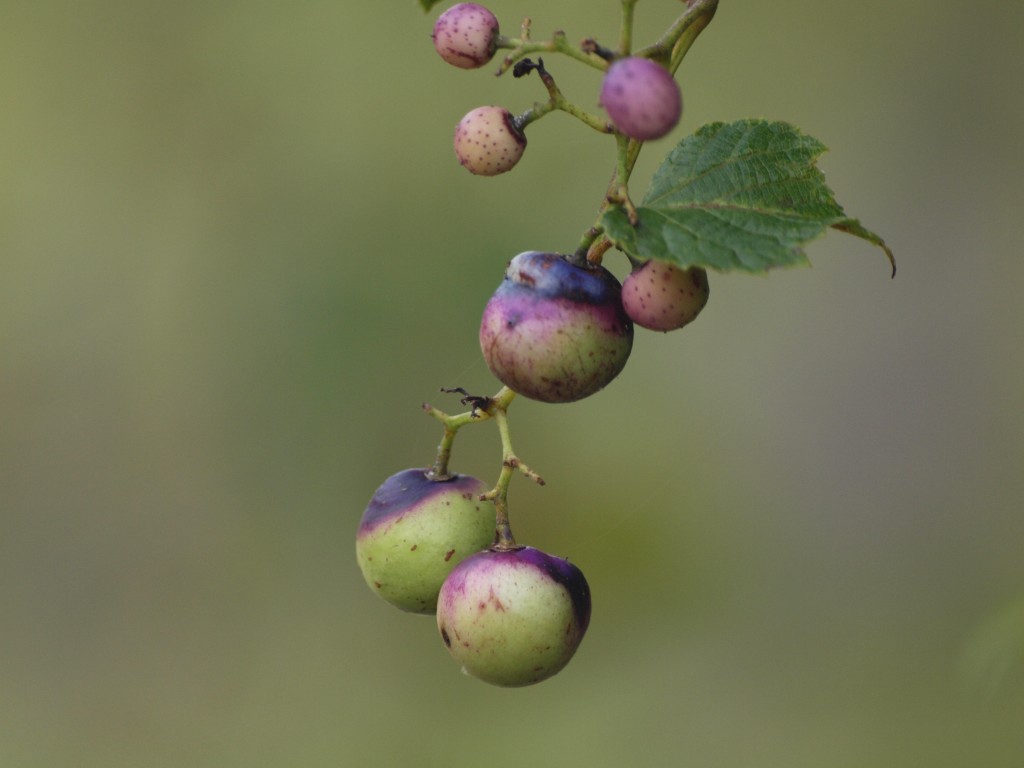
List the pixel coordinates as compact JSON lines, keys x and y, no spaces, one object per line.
{"x":641,"y":98}
{"x":487,"y":142}
{"x":555,"y":331}
{"x":663,"y":297}
{"x":466,"y":35}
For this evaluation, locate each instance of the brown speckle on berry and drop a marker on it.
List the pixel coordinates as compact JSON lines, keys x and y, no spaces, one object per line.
{"x":466,"y":35}
{"x":663,"y":297}
{"x":487,"y":142}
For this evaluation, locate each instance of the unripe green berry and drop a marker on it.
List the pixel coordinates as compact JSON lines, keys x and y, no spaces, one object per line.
{"x":487,"y":141}
{"x":466,"y":35}
{"x":415,"y":530}
{"x":663,"y":297}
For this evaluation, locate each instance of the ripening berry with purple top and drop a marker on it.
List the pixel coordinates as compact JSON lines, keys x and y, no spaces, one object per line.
{"x":466,"y":35}
{"x":488,"y":142}
{"x":663,"y":297}
{"x":554,"y":331}
{"x":416,"y":530}
{"x":513,"y":617}
{"x":641,"y":98}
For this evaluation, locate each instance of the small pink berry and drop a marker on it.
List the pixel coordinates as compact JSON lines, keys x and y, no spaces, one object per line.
{"x":487,"y":142}
{"x":466,"y":35}
{"x":663,"y":297}
{"x":641,"y":98}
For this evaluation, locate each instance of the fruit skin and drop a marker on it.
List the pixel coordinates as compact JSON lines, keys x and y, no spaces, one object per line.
{"x":466,"y":35}
{"x":663,"y":297}
{"x":641,"y":98}
{"x":487,"y":142}
{"x":513,"y":617}
{"x":554,"y":331}
{"x":416,"y":530}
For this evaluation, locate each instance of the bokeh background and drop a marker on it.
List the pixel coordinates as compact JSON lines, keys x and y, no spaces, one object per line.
{"x":237,"y":255}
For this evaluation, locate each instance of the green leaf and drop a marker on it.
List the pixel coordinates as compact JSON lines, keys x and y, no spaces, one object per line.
{"x":745,"y":195}
{"x":428,"y":4}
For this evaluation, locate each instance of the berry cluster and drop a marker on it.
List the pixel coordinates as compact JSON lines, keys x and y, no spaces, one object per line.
{"x":511,"y":615}
{"x":641,"y":96}
{"x":558,"y":328}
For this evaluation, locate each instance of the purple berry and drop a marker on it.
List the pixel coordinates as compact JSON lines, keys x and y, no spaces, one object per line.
{"x":513,"y":617}
{"x":487,"y":142}
{"x":663,"y":297}
{"x":466,"y":35}
{"x":641,"y":98}
{"x":416,"y":530}
{"x":554,"y":331}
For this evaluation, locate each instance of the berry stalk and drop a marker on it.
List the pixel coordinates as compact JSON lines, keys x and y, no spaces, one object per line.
{"x":626,"y":27}
{"x":523,"y":46}
{"x":556,"y":101}
{"x":670,"y":50}
{"x":484,"y":408}
{"x":671,"y":47}
{"x":503,"y":538}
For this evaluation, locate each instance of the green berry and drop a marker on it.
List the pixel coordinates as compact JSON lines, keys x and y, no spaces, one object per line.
{"x":415,"y":530}
{"x":513,"y":617}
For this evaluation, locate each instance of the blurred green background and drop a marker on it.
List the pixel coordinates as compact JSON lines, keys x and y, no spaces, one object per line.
{"x":237,"y":255}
